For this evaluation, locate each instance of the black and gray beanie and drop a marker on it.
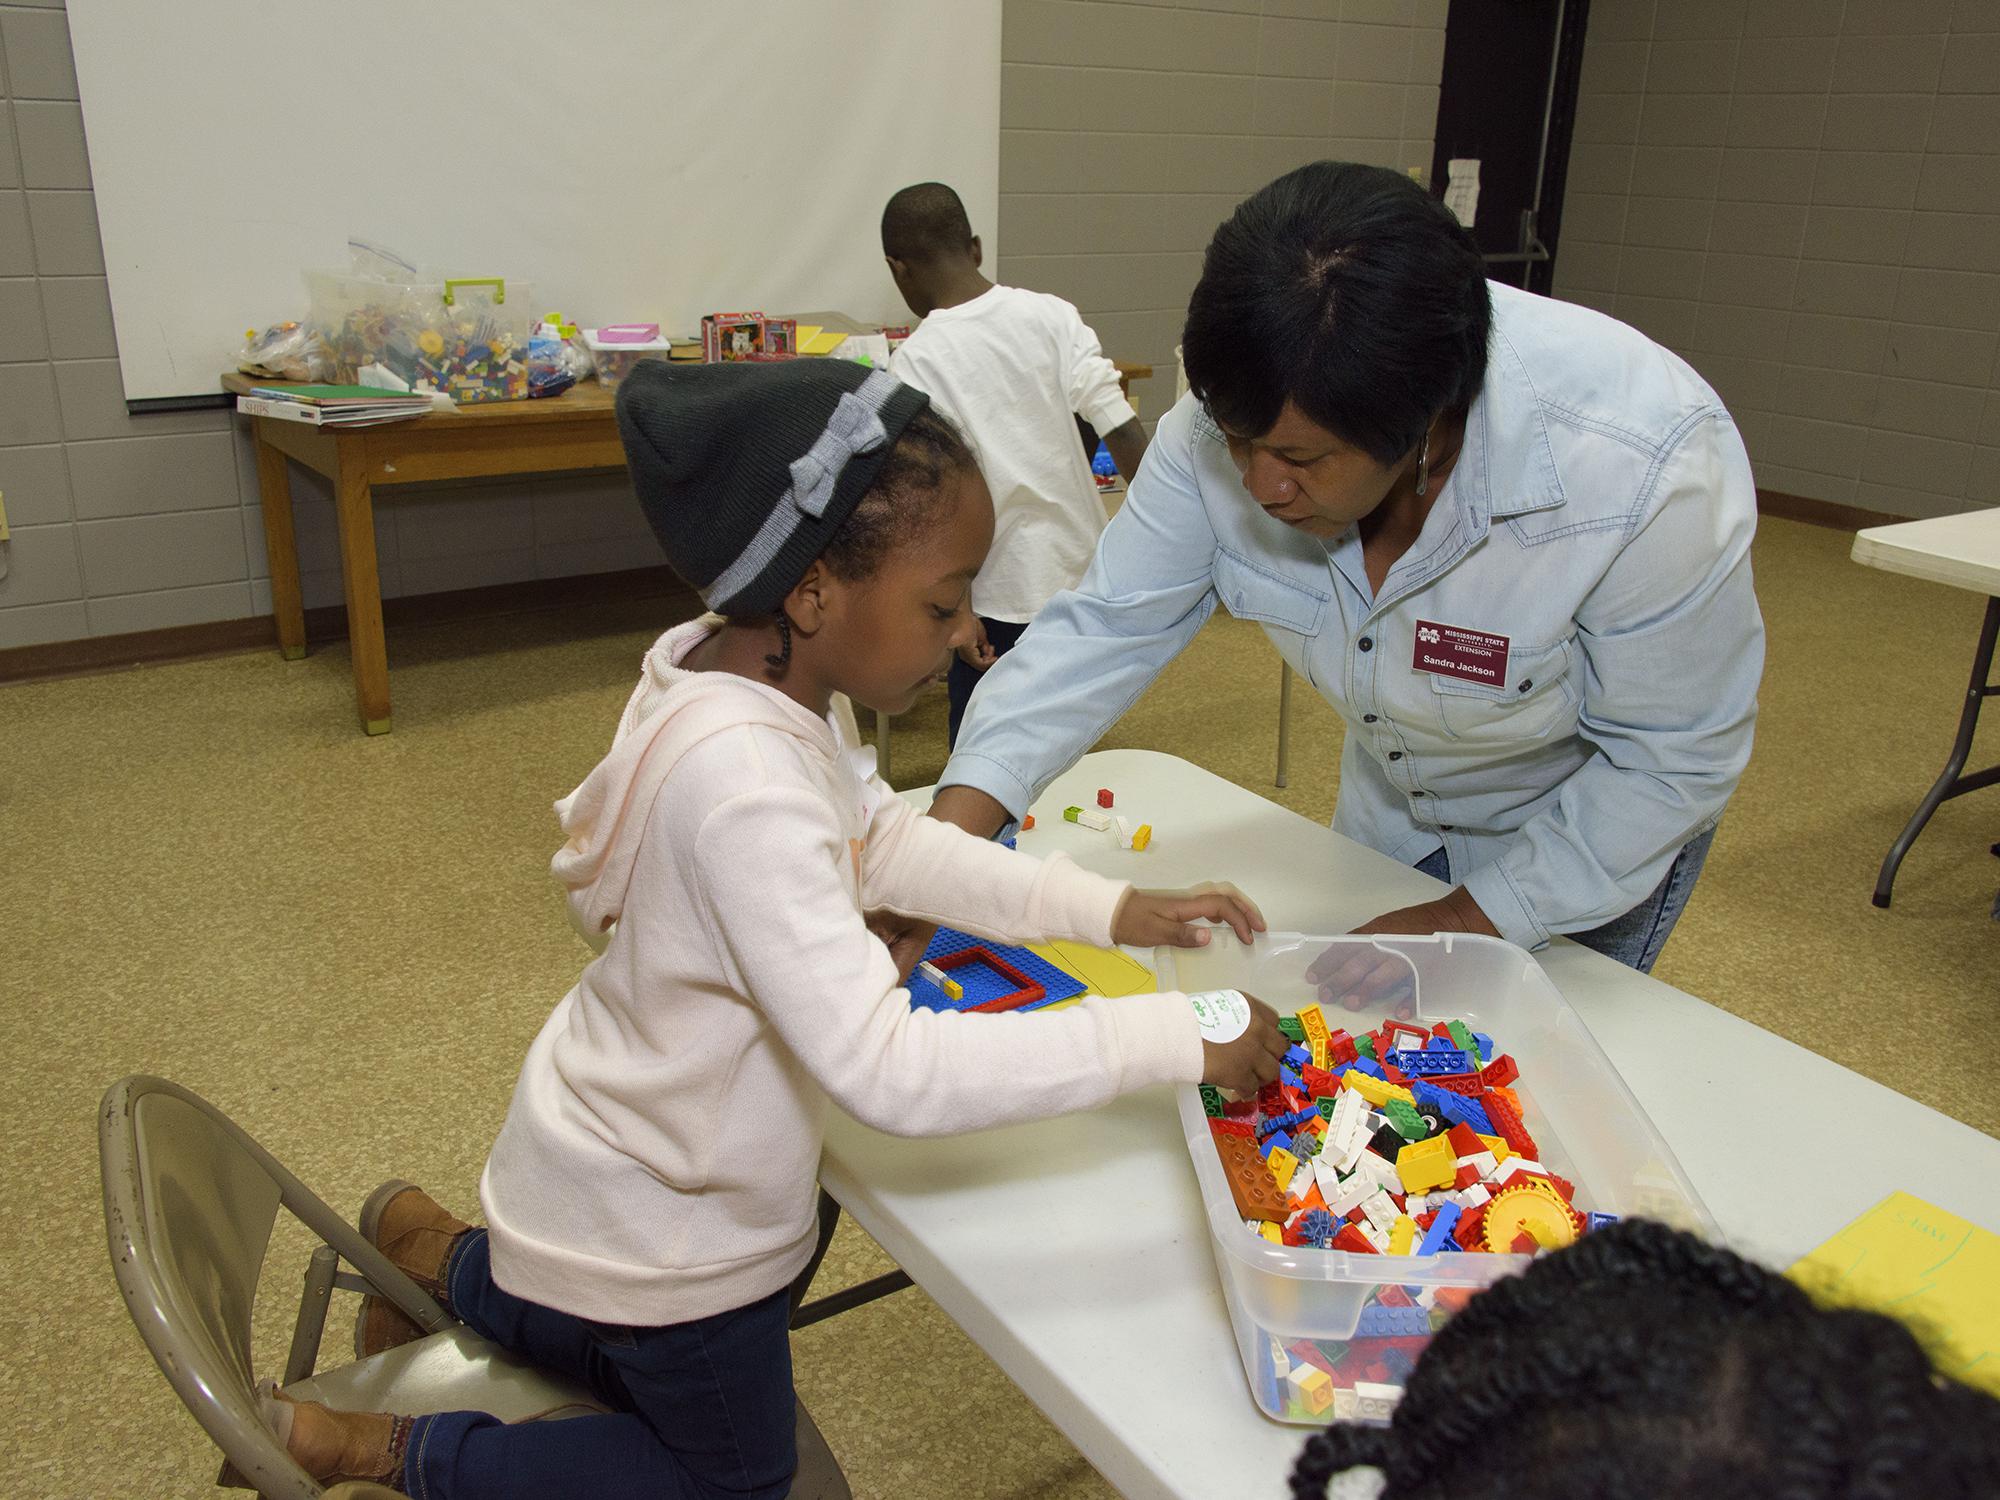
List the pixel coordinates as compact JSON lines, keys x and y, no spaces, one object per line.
{"x":746,"y":471}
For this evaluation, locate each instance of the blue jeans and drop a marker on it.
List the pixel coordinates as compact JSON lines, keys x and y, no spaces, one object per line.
{"x":1001,"y":636}
{"x":699,"y":1411}
{"x":1636,"y":938}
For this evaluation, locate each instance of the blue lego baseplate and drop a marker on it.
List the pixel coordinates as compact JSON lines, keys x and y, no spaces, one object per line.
{"x":983,"y":984}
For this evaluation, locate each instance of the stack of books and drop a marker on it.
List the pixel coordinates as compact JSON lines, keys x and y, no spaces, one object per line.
{"x":333,"y":405}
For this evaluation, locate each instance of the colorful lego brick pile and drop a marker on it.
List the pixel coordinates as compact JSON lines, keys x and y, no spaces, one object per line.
{"x":1401,"y":1141}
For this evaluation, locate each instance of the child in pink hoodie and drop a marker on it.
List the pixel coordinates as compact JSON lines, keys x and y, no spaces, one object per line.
{"x":651,"y":1196}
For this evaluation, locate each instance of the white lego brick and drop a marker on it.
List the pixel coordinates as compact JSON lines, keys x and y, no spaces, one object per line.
{"x":1380,"y":1209}
{"x":1281,"y":1362}
{"x":1416,"y":1203}
{"x":1345,"y":1404}
{"x":1374,"y":1402}
{"x":1301,"y":1183}
{"x":1472,"y":1197}
{"x":1124,"y":831}
{"x":1481,"y":1162}
{"x":1427,"y":1297}
{"x":1090,"y":817}
{"x":931,"y":972}
{"x":1506,"y":1169}
{"x":1379,"y":1238}
{"x":1382,"y":1173}
{"x":1356,"y":1192}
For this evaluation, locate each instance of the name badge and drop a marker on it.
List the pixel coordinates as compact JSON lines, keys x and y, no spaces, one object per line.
{"x":1453,"y":651}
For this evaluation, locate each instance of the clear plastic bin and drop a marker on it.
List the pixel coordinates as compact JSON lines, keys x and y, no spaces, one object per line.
{"x":1586,"y":1123}
{"x":616,"y":352}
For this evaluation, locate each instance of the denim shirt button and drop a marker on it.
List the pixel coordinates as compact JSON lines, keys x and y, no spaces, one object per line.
{"x":1526,"y":683}
{"x":1368,"y":718}
{"x":1366,"y":643}
{"x":1395,"y":755}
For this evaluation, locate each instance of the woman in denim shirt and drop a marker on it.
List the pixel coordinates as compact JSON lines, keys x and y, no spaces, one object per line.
{"x":1507,"y":538}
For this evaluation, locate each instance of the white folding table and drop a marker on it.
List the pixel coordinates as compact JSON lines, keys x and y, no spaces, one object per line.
{"x":1075,"y":1252}
{"x":1964,"y":552}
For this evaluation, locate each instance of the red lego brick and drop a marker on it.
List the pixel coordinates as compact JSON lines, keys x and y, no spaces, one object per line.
{"x":1465,"y":1140}
{"x":1351,"y":1238}
{"x":1467,"y":1084}
{"x":1239,"y":1109}
{"x":1234,"y":1127}
{"x":1340,"y":1048}
{"x":1392,"y":1030}
{"x":1318,"y":1081}
{"x":1507,"y":1124}
{"x":1394,"y":1296}
{"x":1306,"y":1352}
{"x":1466,"y":1177}
{"x":1104,"y":796}
{"x":1502,"y":1071}
{"x":1470,"y":1224}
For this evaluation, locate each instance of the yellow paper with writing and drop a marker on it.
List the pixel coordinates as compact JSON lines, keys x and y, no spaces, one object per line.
{"x":1928,"y":1268}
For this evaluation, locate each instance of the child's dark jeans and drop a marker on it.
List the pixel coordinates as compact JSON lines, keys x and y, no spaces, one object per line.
{"x":1001,"y":636}
{"x":700,"y":1411}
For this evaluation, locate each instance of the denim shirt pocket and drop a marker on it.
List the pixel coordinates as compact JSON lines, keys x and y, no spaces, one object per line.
{"x":1538,"y":697}
{"x":1251,"y":592}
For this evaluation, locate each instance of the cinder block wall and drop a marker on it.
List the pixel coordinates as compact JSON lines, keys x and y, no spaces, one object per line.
{"x":1127,"y":132}
{"x":1802,"y":197}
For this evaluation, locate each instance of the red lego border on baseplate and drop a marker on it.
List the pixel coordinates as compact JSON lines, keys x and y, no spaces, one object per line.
{"x":1028,"y":993}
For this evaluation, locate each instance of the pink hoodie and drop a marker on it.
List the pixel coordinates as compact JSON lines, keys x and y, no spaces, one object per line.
{"x":659,"y":1157}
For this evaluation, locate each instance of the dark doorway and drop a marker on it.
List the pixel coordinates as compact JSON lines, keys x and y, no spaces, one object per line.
{"x":1508,"y":100}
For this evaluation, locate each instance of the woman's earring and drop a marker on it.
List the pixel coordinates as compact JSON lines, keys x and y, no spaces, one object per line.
{"x":1424,"y":466}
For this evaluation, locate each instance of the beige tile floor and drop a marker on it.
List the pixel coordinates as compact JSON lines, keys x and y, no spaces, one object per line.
{"x":347,"y":943}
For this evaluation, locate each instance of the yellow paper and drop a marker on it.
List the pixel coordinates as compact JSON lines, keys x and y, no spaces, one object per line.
{"x":1930,"y":1269}
{"x":1105,"y":970}
{"x":819,"y":340}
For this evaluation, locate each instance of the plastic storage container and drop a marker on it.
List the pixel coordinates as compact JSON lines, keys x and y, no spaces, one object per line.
{"x":617,"y":348}
{"x":465,"y":337}
{"x":1586,"y":1124}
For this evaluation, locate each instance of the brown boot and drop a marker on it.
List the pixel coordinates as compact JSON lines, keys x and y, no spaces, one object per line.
{"x":406,"y":1224}
{"x":334,"y":1446}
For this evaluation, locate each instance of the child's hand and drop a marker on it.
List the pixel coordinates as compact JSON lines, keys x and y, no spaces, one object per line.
{"x":980,"y":654}
{"x":1251,"y":1061}
{"x":1151,"y":919}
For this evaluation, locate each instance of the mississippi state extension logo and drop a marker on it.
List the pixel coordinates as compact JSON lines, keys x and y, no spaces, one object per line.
{"x":1427,"y":635}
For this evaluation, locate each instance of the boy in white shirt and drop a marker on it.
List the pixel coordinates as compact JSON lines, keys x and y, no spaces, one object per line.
{"x":1014,"y":369}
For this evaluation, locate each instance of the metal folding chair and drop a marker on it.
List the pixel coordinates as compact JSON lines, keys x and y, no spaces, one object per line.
{"x":189,"y":1204}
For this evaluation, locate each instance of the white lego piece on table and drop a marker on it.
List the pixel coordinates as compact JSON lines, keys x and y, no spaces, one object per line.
{"x":1124,"y":830}
{"x":1090,"y":817}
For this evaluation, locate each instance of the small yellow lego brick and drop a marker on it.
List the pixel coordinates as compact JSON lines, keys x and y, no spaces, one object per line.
{"x":1282,"y":1164}
{"x":1498,"y":1147}
{"x":1142,"y":836}
{"x":1374,"y":1090}
{"x":953,"y":990}
{"x":1424,"y":1165}
{"x":1402,"y":1235}
{"x":1271,"y":1232}
{"x":1311,"y":1387}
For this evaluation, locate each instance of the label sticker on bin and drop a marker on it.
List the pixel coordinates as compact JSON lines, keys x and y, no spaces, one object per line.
{"x":1223,"y":1015}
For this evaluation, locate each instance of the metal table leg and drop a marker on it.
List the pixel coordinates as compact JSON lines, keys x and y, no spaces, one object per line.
{"x":1950,"y":782}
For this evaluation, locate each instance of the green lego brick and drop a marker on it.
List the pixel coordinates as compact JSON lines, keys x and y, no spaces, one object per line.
{"x":1365,"y":1045}
{"x":1461,"y":1038}
{"x":1211,"y":1101}
{"x":1293,"y":1028}
{"x":1408,"y":1123}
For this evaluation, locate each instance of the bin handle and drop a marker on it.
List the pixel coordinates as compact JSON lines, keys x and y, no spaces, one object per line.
{"x":498,"y":283}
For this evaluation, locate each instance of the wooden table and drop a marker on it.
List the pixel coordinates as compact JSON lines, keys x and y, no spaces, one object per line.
{"x":1962,"y":551}
{"x":558,"y":435}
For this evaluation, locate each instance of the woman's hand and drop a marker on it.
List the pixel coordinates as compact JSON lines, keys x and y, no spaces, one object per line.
{"x":1251,"y":1061}
{"x":1367,"y":978}
{"x":1152,"y":919}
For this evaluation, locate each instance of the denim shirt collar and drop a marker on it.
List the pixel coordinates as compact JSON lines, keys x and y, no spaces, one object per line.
{"x":1507,"y":435}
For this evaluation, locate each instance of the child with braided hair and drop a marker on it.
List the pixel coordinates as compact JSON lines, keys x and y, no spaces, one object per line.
{"x":650,"y":1199}
{"x":1643,"y":1363}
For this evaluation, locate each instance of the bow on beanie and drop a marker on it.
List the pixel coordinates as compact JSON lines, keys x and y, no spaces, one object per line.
{"x":746,"y":471}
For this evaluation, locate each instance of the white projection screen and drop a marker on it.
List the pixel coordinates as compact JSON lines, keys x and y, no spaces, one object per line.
{"x":630,"y":160}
